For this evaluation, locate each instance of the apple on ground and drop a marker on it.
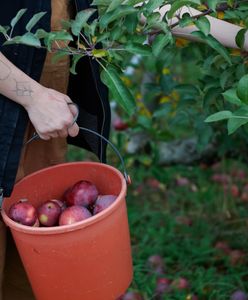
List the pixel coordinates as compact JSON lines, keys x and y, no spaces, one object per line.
{"x":162,"y":286}
{"x":74,"y":214}
{"x":82,"y":193}
{"x":48,"y":213}
{"x":23,"y":212}
{"x":223,"y":247}
{"x":180,"y":283}
{"x":156,"y":264}
{"x":239,"y":295}
{"x":132,"y":295}
{"x":102,"y":202}
{"x":236,"y":257}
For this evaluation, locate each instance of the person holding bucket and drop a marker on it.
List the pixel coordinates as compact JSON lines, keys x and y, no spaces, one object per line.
{"x":34,"y":97}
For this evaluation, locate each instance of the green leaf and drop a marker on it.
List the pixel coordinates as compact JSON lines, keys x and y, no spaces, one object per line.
{"x":152,"y":5}
{"x":242,"y":89}
{"x":75,"y":60}
{"x":224,"y":77}
{"x":178,"y":4}
{"x":221,"y":115}
{"x":204,"y":25}
{"x":234,"y":123}
{"x":81,"y":19}
{"x":34,"y":20}
{"x":114,"y":4}
{"x":240,"y":38}
{"x":58,"y":55}
{"x":160,"y":42}
{"x":3,"y":29}
{"x":41,"y":33}
{"x":28,"y":39}
{"x":118,"y":13}
{"x":18,"y":16}
{"x":101,"y":2}
{"x":134,"y":48}
{"x":99,"y":53}
{"x":231,"y":96}
{"x":213,"y":43}
{"x":53,"y":36}
{"x":212,"y":4}
{"x":119,"y":91}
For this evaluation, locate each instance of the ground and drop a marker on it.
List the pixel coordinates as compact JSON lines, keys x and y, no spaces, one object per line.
{"x":195,"y":218}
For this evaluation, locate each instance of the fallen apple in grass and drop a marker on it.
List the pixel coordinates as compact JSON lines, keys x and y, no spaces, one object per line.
{"x":162,"y":287}
{"x":74,"y":214}
{"x":180,"y":283}
{"x":131,"y":296}
{"x":23,"y":212}
{"x":156,"y":264}
{"x":102,"y":202}
{"x":239,"y":295}
{"x":48,"y":213}
{"x":82,"y":193}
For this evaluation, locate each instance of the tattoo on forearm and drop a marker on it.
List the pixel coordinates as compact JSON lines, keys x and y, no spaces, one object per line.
{"x":4,"y":71}
{"x":23,"y":89}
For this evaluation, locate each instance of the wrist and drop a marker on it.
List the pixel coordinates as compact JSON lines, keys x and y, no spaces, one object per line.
{"x":29,"y":93}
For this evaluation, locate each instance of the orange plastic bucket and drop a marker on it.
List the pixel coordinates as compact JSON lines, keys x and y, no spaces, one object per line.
{"x":88,"y":260}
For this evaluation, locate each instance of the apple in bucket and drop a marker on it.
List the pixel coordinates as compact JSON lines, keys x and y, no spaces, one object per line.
{"x":102,"y":202}
{"x":74,"y":214}
{"x":49,"y":212}
{"x":23,"y":212}
{"x":79,"y":202}
{"x":82,"y":193}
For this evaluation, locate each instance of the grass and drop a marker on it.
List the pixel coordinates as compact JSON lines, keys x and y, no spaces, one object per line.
{"x":182,"y":224}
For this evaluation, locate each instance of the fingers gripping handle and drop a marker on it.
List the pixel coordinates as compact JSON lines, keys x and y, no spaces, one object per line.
{"x":126,"y":176}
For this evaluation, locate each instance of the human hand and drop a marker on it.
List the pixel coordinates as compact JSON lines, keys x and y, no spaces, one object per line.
{"x":51,"y":115}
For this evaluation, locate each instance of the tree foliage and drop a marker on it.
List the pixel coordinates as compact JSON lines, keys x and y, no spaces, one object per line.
{"x":121,"y":30}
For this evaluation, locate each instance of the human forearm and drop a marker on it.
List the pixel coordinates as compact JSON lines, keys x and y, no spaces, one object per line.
{"x":48,"y":109}
{"x":15,"y":84}
{"x":223,"y":31}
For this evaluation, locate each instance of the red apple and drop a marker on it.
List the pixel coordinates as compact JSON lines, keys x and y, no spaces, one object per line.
{"x":102,"y":202}
{"x":180,"y":283}
{"x":74,"y":214}
{"x":182,"y":181}
{"x":239,"y":295}
{"x":81,"y":193}
{"x":236,"y":257}
{"x":119,"y":125}
{"x":156,"y":264}
{"x":131,"y":296}
{"x":61,"y":203}
{"x":223,"y":246}
{"x":23,"y":212}
{"x":162,"y":286}
{"x":221,"y":178}
{"x":48,"y":213}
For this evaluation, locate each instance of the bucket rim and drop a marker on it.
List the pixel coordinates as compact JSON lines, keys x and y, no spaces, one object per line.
{"x":75,"y":226}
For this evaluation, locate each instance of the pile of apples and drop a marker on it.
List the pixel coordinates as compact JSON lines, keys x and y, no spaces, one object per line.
{"x":79,"y":202}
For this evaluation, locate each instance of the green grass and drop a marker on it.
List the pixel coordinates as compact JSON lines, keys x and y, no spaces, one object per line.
{"x":187,"y":250}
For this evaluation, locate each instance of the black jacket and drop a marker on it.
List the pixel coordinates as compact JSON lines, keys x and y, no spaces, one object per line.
{"x":85,"y":89}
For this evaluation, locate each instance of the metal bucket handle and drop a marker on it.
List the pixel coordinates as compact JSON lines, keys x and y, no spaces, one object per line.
{"x":125,"y":174}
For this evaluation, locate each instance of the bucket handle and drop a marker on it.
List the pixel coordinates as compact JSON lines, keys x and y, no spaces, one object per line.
{"x":125,"y":174}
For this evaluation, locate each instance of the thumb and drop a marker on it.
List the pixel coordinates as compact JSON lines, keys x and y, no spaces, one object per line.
{"x":73,"y":130}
